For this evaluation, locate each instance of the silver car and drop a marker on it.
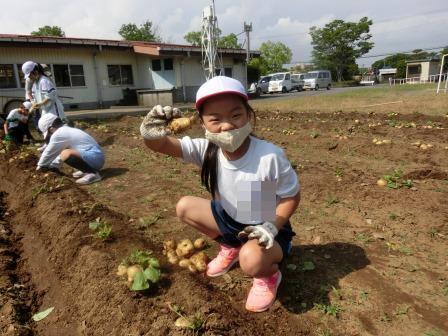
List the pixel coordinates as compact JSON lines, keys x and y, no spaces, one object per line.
{"x":263,"y":84}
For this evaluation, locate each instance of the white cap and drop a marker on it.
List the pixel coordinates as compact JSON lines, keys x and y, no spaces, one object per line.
{"x":27,"y":67}
{"x":27,"y":105}
{"x":45,"y":122}
{"x":219,"y":85}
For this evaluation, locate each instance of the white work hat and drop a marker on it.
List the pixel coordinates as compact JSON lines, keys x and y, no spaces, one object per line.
{"x":219,"y":85}
{"x":27,"y":105}
{"x":45,"y":122}
{"x":27,"y":68}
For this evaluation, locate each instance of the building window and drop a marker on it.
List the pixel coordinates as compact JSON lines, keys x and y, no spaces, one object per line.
{"x":168,"y":64}
{"x":156,"y":65}
{"x":228,"y":72}
{"x":77,"y":75}
{"x":7,"y":78}
{"x":21,"y":76}
{"x":66,"y":75}
{"x":120,"y":74}
{"x":414,"y":69}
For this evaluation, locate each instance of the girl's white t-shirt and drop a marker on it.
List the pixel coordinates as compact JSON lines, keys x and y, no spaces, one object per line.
{"x":249,"y":188}
{"x":14,"y":117}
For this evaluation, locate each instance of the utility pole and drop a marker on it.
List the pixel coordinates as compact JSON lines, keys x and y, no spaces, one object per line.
{"x":247,"y":30}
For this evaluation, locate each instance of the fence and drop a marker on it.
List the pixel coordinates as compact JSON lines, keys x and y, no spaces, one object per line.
{"x":418,"y":80}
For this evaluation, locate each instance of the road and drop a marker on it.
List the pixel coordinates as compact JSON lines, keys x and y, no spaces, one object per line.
{"x":142,"y":110}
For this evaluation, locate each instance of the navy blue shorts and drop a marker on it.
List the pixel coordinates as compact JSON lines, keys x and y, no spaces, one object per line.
{"x":230,"y":228}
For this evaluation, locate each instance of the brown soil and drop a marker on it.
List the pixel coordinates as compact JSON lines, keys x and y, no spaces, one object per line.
{"x":380,"y":254}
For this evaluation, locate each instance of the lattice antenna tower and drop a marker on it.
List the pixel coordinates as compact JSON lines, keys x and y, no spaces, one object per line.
{"x":209,"y":42}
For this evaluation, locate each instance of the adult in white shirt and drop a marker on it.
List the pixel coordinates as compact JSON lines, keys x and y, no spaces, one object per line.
{"x":71,"y":146}
{"x":45,"y":95}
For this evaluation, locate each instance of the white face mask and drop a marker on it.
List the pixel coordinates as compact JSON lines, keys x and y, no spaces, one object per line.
{"x":229,"y":141}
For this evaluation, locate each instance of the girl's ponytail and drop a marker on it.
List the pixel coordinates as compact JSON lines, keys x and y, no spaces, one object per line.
{"x":209,"y":171}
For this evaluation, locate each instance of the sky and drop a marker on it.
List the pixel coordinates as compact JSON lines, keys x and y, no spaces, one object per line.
{"x":398,"y":25}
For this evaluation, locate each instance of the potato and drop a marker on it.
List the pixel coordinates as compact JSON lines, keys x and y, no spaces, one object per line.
{"x":169,"y":245}
{"x":192,"y":268}
{"x":199,"y":260}
{"x":122,"y":270}
{"x":185,"y":248}
{"x":184,"y":263}
{"x":200,"y":243}
{"x":172,"y":257}
{"x":381,"y":182}
{"x":132,"y":271}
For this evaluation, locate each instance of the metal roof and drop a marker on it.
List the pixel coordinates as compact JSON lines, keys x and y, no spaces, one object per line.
{"x":152,"y":48}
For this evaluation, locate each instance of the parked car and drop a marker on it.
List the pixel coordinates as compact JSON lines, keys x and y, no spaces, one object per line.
{"x":257,"y":88}
{"x":263,"y":84}
{"x":297,"y":82}
{"x":314,"y":80}
{"x":280,"y":82}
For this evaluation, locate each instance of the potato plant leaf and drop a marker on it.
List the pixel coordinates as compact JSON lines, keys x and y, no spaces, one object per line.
{"x":152,"y":274}
{"x":43,"y":314}
{"x":94,"y":226}
{"x":140,"y":282}
{"x":308,"y":266}
{"x":154,"y":263}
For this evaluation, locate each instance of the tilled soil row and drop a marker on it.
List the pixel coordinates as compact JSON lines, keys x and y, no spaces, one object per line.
{"x":15,"y":292}
{"x":74,"y":272}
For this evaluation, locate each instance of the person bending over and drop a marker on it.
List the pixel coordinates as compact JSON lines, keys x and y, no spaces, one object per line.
{"x":71,"y":146}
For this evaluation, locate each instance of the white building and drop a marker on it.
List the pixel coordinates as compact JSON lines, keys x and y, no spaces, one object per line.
{"x":92,"y":73}
{"x":423,"y":69}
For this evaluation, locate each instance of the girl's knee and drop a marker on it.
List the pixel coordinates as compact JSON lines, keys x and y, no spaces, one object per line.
{"x":251,"y":259}
{"x":65,"y":154}
{"x":257,"y":262}
{"x":182,"y":207}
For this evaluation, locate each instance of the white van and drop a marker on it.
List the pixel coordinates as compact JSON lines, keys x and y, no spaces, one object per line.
{"x":297,"y":82}
{"x":280,"y":82}
{"x":314,"y":80}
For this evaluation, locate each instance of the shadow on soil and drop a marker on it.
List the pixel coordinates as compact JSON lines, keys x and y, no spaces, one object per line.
{"x":112,"y":172}
{"x":319,"y":269}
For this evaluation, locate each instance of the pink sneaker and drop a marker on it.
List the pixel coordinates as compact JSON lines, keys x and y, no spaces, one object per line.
{"x":263,"y":293}
{"x":225,"y":259}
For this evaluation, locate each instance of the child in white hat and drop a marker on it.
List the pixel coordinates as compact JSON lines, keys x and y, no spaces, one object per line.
{"x":254,"y":189}
{"x":16,"y":125}
{"x":71,"y":146}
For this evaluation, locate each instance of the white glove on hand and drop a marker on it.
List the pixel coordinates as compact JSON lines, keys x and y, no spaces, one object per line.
{"x":155,"y":122}
{"x":265,"y":233}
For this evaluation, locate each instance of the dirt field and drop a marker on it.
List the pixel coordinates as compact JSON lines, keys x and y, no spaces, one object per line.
{"x":367,"y":259}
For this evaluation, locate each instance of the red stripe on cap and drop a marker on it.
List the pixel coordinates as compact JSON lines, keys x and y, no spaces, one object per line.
{"x":203,"y":99}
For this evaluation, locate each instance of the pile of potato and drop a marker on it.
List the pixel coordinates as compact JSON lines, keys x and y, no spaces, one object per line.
{"x":421,"y":145}
{"x":381,"y":142}
{"x":187,"y":254}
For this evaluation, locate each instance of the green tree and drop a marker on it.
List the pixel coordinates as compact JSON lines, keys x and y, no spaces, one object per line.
{"x":226,"y":41}
{"x":272,"y":57}
{"x":229,"y":41}
{"x":339,"y":44}
{"x":146,"y":32}
{"x":49,"y":31}
{"x":194,"y":38}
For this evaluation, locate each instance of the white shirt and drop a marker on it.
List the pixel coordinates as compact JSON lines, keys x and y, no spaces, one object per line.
{"x":44,"y":88}
{"x":263,"y":161}
{"x":63,"y":138}
{"x":14,"y":117}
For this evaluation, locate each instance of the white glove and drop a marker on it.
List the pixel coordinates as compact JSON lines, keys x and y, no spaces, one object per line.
{"x":265,"y":233}
{"x":155,"y":122}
